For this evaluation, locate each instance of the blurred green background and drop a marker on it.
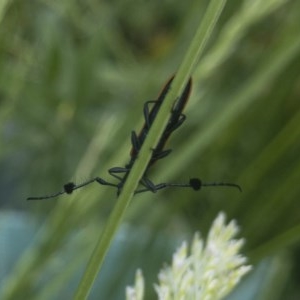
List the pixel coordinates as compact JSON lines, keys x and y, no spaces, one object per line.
{"x":74,"y":76}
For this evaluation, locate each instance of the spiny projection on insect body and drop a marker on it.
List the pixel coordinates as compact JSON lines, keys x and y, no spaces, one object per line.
{"x":151,"y":109}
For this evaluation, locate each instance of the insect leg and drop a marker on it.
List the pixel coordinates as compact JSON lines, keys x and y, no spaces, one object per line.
{"x":150,"y":115}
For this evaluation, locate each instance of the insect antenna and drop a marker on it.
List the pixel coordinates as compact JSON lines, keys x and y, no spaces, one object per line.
{"x":71,"y":186}
{"x":195,"y":183}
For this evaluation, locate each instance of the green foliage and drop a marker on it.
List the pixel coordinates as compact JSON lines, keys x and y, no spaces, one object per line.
{"x":73,"y":79}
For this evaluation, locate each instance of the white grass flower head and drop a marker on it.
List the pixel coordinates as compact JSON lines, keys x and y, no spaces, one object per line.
{"x":210,"y":271}
{"x":136,"y":292}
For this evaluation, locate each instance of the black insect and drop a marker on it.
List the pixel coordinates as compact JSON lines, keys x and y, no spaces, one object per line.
{"x":151,"y":109}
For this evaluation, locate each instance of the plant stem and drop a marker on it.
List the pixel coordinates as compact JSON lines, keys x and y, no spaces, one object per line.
{"x":184,"y":72}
